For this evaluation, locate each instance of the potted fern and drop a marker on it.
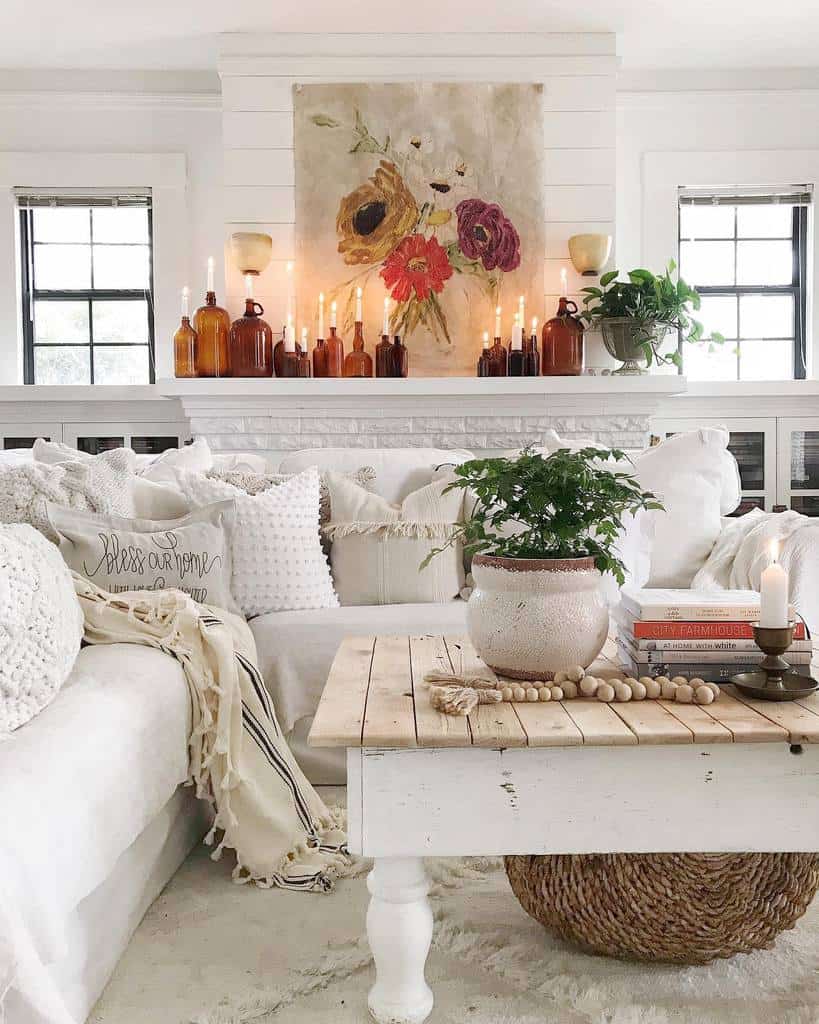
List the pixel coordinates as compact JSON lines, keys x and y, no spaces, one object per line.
{"x":636,"y":315}
{"x":541,"y":533}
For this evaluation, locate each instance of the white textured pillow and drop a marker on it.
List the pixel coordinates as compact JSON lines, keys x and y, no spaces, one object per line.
{"x":191,"y":554}
{"x":278,"y":564}
{"x":41,"y":624}
{"x":101,"y":484}
{"x":194,"y":458}
{"x":378,"y":547}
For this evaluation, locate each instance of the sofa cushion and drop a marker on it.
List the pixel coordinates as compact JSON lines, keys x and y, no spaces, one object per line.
{"x":296,"y":649}
{"x":85,"y":777}
{"x":398,"y":471}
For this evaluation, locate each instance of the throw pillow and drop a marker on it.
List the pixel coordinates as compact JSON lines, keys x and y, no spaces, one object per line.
{"x":102,"y":484}
{"x":277,"y":561}
{"x":191,"y":554}
{"x":378,"y":548}
{"x":195,"y":458}
{"x":41,"y":624}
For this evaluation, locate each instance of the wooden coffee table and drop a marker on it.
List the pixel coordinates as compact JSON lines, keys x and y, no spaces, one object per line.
{"x":572,"y":777}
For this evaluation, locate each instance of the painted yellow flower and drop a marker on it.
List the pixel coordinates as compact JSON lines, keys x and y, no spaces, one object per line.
{"x":439,"y":217}
{"x":374,"y":218}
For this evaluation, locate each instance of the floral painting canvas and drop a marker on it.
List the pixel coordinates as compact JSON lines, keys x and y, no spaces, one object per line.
{"x":428,"y":194}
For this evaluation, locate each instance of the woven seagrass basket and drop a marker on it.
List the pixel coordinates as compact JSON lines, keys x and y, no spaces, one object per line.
{"x":684,"y":908}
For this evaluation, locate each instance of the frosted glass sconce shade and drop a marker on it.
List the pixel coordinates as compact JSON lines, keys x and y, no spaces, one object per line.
{"x":251,"y":250}
{"x":589,"y":253}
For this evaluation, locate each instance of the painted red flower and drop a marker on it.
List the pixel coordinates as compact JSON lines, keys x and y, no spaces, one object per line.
{"x":416,"y":264}
{"x":485,"y":233}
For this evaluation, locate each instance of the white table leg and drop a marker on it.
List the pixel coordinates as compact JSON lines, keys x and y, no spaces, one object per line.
{"x":399,"y":927}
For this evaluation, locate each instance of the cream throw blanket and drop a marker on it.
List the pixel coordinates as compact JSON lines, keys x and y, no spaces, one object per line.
{"x":266,"y":810}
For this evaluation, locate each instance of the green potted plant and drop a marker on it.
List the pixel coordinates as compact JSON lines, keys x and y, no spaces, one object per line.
{"x":542,"y":532}
{"x":636,"y":315}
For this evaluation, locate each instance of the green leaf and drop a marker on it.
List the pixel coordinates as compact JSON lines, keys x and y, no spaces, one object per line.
{"x":325,"y":121}
{"x":608,"y":277}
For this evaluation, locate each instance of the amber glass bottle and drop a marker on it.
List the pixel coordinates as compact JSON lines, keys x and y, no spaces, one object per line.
{"x":383,"y":357}
{"x":400,"y":358}
{"x":358,"y":363}
{"x":251,"y":344}
{"x":562,"y":341}
{"x":184,"y":349}
{"x":497,"y":359}
{"x":531,"y":356}
{"x":212,"y":325}
{"x":335,"y":354}
{"x":303,"y":362}
{"x":484,"y":360}
{"x":320,"y":358}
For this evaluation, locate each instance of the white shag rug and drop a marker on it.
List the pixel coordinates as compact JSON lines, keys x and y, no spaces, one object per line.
{"x":211,"y":952}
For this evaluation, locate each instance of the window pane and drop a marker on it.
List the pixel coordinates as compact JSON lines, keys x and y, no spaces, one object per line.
{"x":61,"y":323}
{"x":766,"y":360}
{"x":748,"y":448}
{"x":125,"y":322}
{"x":772,"y":221}
{"x":701,"y":364}
{"x":62,"y":224}
{"x":706,"y":221}
{"x":704,"y":263}
{"x":764,"y":263}
{"x":119,"y":364}
{"x":805,"y":459}
{"x":120,"y":266}
{"x":718,"y":313}
{"x":766,"y":316}
{"x":120,"y":224}
{"x":62,"y":266}
{"x":62,"y":365}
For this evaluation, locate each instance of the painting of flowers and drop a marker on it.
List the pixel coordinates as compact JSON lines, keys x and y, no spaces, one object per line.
{"x":429,"y":194}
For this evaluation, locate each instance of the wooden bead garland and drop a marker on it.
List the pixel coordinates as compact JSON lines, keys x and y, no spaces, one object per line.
{"x":461,"y":694}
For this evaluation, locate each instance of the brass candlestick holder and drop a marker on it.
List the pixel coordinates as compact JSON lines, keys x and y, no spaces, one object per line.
{"x":774,"y":680}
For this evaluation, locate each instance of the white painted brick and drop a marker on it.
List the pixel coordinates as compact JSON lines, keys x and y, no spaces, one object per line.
{"x":481,"y":423}
{"x":240,"y":442}
{"x":472,"y":442}
{"x":507,"y":441}
{"x":385,"y":425}
{"x":329,"y":425}
{"x":333,"y":441}
{"x":408,"y":441}
{"x":447,"y":424}
{"x":273,"y":424}
{"x":220,"y":425}
{"x":558,"y":423}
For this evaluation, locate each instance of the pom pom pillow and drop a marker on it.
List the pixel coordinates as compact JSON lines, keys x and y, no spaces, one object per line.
{"x":277,"y":561}
{"x":40,"y":624}
{"x":378,"y":548}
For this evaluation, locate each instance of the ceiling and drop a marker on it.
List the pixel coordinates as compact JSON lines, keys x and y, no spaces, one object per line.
{"x":183,"y":34}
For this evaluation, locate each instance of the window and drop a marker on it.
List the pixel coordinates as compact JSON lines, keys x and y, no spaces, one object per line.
{"x":87,"y":289}
{"x":746,"y":254}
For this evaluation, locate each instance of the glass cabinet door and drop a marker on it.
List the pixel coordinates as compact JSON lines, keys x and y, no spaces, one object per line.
{"x":799,"y":464}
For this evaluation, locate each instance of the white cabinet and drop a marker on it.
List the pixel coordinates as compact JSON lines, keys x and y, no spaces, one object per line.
{"x":798,"y":464}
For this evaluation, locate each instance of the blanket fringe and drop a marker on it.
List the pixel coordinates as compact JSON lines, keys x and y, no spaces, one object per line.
{"x":396,"y":528}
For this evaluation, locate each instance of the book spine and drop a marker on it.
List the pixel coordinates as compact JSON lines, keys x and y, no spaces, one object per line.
{"x":684,"y":613}
{"x":711,"y":645}
{"x":711,"y":657}
{"x":653,"y":630}
{"x":711,"y":673}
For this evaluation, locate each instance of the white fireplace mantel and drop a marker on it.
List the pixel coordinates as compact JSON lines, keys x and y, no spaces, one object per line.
{"x":475,"y":413}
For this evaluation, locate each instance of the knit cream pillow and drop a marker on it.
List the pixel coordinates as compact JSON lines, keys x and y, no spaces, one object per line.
{"x":378,"y":548}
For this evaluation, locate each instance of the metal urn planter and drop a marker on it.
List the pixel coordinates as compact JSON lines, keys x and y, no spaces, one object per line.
{"x":624,"y":336}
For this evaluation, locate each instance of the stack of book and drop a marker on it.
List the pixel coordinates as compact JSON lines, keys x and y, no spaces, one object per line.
{"x":697,"y":634}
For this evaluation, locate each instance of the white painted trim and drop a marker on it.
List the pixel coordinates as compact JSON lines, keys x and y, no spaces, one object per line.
{"x":44,"y":100}
{"x":670,"y":100}
{"x":93,"y":170}
{"x":493,"y":67}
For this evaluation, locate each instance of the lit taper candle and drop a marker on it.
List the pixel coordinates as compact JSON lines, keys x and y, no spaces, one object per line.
{"x":564,"y":281}
{"x":385,"y":328}
{"x":358,"y":314}
{"x":248,"y":286}
{"x":186,"y":305}
{"x":521,"y":311}
{"x":321,"y":316}
{"x":497,"y":321}
{"x":210,"y":274}
{"x":289,"y":270}
{"x":333,"y":314}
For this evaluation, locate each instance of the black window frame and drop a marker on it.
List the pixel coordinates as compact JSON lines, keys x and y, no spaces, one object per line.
{"x":30,"y":293}
{"x":798,"y":287}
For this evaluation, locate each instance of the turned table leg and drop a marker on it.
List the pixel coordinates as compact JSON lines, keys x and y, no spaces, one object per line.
{"x":399,"y":927}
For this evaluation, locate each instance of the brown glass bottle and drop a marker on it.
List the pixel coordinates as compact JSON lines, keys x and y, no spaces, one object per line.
{"x":484,"y":360}
{"x":497,"y":359}
{"x":320,"y":353}
{"x":531,"y":357}
{"x":251,"y":344}
{"x":212,"y":326}
{"x":383,"y":357}
{"x":278,"y":355}
{"x":516,"y":363}
{"x":184,"y":349}
{"x":562,"y":341}
{"x":335,"y":354}
{"x":358,"y":363}
{"x":303,"y":362}
{"x":400,"y":358}
{"x":290,"y":364}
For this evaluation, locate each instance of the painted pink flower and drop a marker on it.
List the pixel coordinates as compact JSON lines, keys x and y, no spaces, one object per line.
{"x":416,"y":264}
{"x":486,"y":234}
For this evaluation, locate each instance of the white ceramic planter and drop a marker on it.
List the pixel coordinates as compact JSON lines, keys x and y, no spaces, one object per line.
{"x":529,"y":618}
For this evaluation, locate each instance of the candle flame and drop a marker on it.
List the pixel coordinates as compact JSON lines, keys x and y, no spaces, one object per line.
{"x":289,"y":267}
{"x":486,"y":337}
{"x":321,"y":298}
{"x":333,"y":306}
{"x":534,"y":324}
{"x":186,"y":291}
{"x":358,"y":292}
{"x":210,"y":263}
{"x":497,"y":311}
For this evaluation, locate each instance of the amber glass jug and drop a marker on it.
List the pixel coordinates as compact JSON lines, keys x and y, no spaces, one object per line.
{"x":212,"y":326}
{"x":562,"y":342}
{"x":251,"y":344}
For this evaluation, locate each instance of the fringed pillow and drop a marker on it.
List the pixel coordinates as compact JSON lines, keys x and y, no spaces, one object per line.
{"x":378,"y":548}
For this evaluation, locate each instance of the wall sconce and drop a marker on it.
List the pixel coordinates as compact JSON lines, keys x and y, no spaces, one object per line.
{"x":589,"y":253}
{"x":251,"y":251}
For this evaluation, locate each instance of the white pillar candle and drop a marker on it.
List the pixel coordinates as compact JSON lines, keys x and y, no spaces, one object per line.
{"x":564,"y":281}
{"x":773,"y":593}
{"x":385,"y":329}
{"x":358,"y":314}
{"x":333,"y":309}
{"x":186,"y":306}
{"x":290,"y":311}
{"x":210,"y":274}
{"x":289,"y":338}
{"x":497,"y":321}
{"x":321,"y":315}
{"x":248,"y":286}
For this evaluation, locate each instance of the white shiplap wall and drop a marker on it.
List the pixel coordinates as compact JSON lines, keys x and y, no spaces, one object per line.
{"x":258,"y":72}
